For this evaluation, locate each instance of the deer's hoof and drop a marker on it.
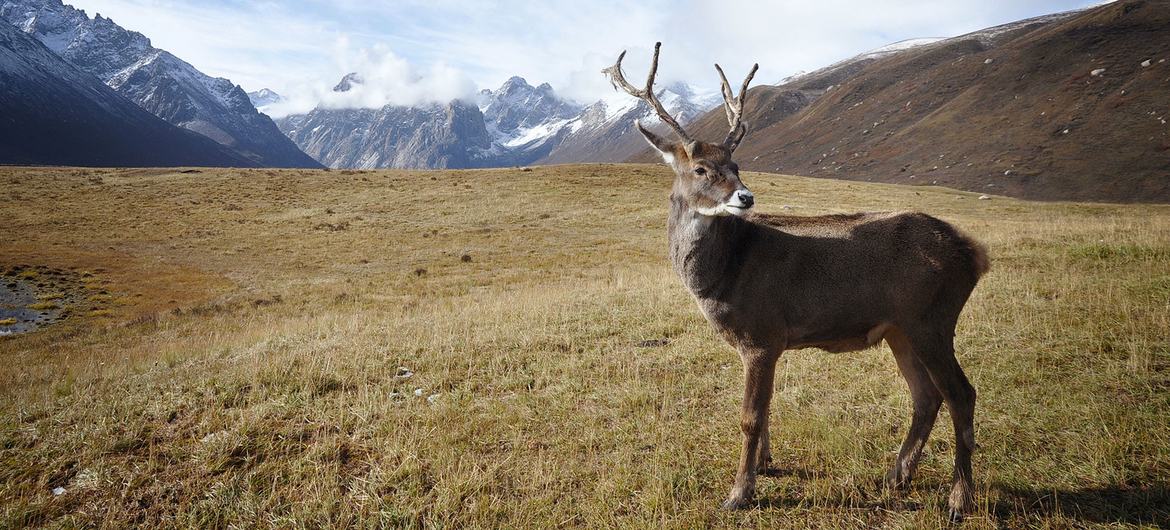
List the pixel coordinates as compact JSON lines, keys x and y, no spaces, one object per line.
{"x":736,"y":503}
{"x":961,"y":503}
{"x":896,"y":480}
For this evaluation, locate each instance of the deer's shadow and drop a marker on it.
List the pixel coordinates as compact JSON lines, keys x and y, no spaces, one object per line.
{"x":1146,"y":505}
{"x":1113,"y":504}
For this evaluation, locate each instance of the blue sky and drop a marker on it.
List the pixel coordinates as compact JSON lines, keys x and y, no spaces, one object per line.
{"x":424,"y":49}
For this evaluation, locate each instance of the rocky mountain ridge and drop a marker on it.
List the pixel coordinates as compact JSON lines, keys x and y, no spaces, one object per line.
{"x":52,"y":113}
{"x":516,"y":124}
{"x":159,"y":82}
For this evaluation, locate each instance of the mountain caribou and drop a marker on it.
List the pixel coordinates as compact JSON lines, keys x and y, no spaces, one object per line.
{"x":769,"y":283}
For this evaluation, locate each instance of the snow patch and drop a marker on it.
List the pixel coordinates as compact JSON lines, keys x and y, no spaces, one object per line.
{"x":987,"y":36}
{"x":617,"y":105}
{"x":526,"y":136}
{"x":900,"y":46}
{"x":877,"y":53}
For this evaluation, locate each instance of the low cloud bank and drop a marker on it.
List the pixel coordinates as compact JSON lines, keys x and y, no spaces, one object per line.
{"x":384,"y":78}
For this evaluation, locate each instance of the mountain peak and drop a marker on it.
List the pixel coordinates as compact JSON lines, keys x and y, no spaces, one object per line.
{"x":680,"y":88}
{"x":347,"y":82}
{"x":514,"y":84}
{"x":264,"y":97}
{"x":107,"y":22}
{"x":517,"y":106}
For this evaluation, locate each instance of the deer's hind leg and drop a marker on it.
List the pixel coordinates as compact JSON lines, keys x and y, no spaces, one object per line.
{"x":926,"y":402}
{"x":936,"y":351}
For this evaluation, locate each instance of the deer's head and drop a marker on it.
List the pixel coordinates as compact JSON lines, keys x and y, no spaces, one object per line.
{"x":705,"y":175}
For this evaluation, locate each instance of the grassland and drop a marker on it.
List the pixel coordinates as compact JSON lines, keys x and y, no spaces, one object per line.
{"x":245,"y":369}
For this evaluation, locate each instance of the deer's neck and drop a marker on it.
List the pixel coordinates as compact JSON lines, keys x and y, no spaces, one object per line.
{"x":705,"y":251}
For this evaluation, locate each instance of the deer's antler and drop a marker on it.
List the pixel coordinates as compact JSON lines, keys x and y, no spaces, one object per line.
{"x":734,"y":107}
{"x":646,"y":94}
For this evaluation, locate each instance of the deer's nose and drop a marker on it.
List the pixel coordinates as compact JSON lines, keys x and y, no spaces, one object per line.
{"x":745,"y":198}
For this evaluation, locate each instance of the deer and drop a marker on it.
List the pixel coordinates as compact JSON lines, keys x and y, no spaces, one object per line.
{"x":770,"y":283}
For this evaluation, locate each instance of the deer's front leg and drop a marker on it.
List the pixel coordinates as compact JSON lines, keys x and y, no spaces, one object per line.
{"x":764,"y":451}
{"x":759,"y":371}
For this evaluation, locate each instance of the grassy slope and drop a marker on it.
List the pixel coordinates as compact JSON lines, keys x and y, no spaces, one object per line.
{"x":247,"y":372}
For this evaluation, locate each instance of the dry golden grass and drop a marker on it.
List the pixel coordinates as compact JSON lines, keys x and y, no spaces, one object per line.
{"x":246,"y":370}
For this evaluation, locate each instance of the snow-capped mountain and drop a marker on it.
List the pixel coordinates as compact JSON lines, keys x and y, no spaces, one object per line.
{"x":516,"y":124}
{"x":450,"y":135}
{"x":264,"y":98}
{"x":516,"y":105}
{"x":347,"y":82}
{"x":525,"y":121}
{"x":161,"y":83}
{"x":532,"y":124}
{"x":604,"y":131}
{"x":53,"y":113}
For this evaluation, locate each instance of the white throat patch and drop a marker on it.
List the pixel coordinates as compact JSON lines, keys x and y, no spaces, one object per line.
{"x":721,"y":210}
{"x":714,"y":211}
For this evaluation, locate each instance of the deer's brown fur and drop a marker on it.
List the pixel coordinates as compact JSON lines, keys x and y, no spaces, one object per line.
{"x":769,"y":283}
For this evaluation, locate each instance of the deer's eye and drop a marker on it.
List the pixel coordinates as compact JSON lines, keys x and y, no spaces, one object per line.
{"x":701,"y":171}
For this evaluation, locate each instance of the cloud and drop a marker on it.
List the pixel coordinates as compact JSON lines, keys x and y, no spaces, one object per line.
{"x":419,"y":49}
{"x":384,"y":78}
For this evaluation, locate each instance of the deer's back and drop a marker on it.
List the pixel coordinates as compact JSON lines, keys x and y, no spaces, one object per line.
{"x":923,"y":242}
{"x":840,"y":276}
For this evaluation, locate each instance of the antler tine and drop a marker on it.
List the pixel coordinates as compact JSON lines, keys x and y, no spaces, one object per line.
{"x":618,"y":80}
{"x":653,"y":70}
{"x":734,"y":107}
{"x":728,"y":97}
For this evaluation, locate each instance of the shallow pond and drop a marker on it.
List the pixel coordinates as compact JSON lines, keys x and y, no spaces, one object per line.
{"x":21,"y":311}
{"x":34,"y":297}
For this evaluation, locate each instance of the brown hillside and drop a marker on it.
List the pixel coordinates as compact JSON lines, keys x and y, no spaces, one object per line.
{"x":1017,"y":112}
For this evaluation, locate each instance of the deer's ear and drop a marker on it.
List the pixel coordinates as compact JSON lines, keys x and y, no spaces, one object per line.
{"x":665,"y":147}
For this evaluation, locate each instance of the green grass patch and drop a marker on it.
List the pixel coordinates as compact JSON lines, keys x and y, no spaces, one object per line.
{"x":1119,"y":253}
